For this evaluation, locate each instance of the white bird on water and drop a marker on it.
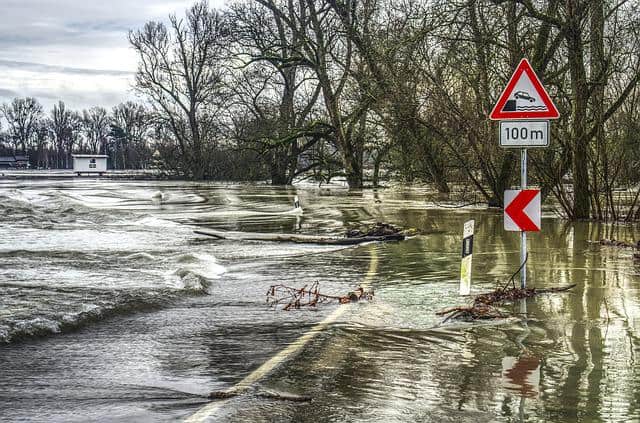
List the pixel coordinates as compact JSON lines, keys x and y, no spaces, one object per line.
{"x":296,"y":206}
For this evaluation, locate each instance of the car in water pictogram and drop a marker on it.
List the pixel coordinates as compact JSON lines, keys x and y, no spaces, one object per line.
{"x":523,"y":95}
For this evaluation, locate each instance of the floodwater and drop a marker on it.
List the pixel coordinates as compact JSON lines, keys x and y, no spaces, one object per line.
{"x":112,"y":309}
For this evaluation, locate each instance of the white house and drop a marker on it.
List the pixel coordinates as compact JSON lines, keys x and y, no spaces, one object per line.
{"x":89,"y":163}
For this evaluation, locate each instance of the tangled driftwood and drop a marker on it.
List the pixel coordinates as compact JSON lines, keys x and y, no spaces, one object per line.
{"x":484,"y":305}
{"x":296,"y":298}
{"x":283,"y":396}
{"x":300,"y":238}
{"x":378,"y":229}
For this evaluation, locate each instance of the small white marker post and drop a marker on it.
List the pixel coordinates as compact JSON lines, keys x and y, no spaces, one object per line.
{"x":296,"y":202}
{"x":467,"y":255}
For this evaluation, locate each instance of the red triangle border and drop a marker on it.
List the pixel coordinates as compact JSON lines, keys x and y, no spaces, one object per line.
{"x":524,"y":67}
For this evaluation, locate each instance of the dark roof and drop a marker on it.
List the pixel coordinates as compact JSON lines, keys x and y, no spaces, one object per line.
{"x":22,"y":157}
{"x":90,"y":156}
{"x":7,"y":159}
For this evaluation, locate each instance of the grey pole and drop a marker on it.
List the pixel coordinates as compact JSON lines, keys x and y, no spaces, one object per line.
{"x":523,"y":234}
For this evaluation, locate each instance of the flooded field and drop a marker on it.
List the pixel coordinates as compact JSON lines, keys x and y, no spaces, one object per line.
{"x":113,"y":309}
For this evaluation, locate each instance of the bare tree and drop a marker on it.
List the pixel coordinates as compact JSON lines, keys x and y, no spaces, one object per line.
{"x":75,"y":135}
{"x":41,"y":143}
{"x":130,"y":125}
{"x":62,"y":124}
{"x":180,"y":70}
{"x":326,"y":49}
{"x":580,"y":25}
{"x":275,"y":88}
{"x":96,"y":126}
{"x":22,"y":116}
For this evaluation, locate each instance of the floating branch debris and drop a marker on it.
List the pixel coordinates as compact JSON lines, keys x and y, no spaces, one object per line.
{"x":291,"y":298}
{"x":284,"y":396}
{"x":376,"y":232}
{"x":264,"y":394}
{"x":379,"y":229}
{"x":474,"y":312}
{"x":484,"y":306}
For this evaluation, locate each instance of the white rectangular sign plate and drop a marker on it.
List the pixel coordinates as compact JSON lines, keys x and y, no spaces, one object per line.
{"x":524,"y":133}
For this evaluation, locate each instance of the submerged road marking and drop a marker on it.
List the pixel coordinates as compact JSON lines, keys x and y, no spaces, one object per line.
{"x":207,"y":412}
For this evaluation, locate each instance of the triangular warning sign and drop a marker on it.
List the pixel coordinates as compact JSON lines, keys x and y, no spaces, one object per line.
{"x":524,"y":97}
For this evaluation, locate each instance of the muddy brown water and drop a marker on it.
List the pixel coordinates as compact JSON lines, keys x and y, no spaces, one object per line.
{"x":112,"y":309}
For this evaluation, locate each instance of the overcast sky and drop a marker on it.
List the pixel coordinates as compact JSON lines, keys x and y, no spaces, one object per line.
{"x":74,"y":50}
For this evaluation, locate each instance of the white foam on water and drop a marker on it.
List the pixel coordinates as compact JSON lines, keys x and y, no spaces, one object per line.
{"x":94,"y":201}
{"x":140,"y":257}
{"x":191,"y":281}
{"x":37,"y":325}
{"x":26,"y":196}
{"x":196,"y":272}
{"x":296,"y":211}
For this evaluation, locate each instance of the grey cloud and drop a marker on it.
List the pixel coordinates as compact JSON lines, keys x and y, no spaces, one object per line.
{"x":43,"y":68}
{"x":8,"y":93}
{"x":74,"y":50}
{"x":28,"y":23}
{"x":121,"y":26}
{"x":76,"y":100}
{"x":80,"y":100}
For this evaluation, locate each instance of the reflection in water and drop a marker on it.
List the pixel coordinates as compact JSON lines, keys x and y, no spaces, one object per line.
{"x":150,"y":317}
{"x":522,"y":375}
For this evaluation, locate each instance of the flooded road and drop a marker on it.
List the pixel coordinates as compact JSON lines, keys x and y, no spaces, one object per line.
{"x":112,"y":309}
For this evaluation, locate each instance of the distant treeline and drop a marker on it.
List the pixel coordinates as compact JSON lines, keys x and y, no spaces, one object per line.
{"x":50,"y":138}
{"x":131,"y":134}
{"x":366,"y":89}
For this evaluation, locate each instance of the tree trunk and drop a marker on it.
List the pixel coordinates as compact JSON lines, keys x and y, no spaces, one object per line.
{"x":435,"y":169}
{"x":598,"y":79}
{"x":281,"y":155}
{"x":352,"y":162}
{"x":278,"y":167}
{"x":124,"y":156}
{"x":197,"y":161}
{"x":505,"y":177}
{"x":581,"y":200}
{"x":376,"y":171}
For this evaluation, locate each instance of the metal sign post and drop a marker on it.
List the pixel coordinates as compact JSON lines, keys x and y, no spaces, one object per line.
{"x":523,"y":234}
